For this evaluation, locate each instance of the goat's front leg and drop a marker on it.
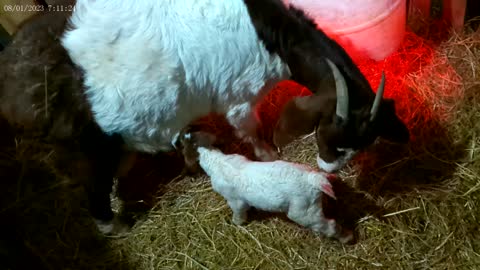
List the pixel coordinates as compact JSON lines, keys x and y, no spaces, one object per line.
{"x":239,"y":209}
{"x":331,"y":228}
{"x":245,"y":121}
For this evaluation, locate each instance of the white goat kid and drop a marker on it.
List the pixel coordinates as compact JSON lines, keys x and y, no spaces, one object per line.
{"x":276,"y":186}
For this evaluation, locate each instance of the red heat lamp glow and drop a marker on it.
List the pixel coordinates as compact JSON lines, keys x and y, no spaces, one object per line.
{"x":416,"y":56}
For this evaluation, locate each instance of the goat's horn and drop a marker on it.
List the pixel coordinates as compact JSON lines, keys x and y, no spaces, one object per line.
{"x":342,"y":91}
{"x":378,"y":98}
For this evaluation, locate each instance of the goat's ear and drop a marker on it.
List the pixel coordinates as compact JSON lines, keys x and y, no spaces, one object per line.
{"x":389,"y":125}
{"x":299,"y":117}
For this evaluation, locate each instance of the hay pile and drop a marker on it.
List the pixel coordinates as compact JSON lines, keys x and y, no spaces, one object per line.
{"x":415,"y":206}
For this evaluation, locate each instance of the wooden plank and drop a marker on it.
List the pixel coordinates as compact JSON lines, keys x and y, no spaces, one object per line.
{"x":13,"y":16}
{"x":454,"y":12}
{"x":421,"y":7}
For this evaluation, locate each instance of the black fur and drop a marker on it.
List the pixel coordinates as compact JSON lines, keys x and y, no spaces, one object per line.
{"x":290,"y":33}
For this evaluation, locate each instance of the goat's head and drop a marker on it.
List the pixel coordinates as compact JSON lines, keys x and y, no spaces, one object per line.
{"x":188,"y":143}
{"x":341,"y":130}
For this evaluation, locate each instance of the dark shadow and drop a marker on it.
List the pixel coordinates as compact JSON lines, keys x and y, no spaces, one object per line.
{"x":430,"y":158}
{"x":5,"y":38}
{"x":351,"y":205}
{"x":145,"y":183}
{"x":45,"y":223}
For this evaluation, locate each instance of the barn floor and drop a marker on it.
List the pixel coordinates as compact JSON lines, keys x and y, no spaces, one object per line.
{"x":414,"y":207}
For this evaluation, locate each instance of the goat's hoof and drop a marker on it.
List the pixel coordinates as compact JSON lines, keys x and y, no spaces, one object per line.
{"x":112,"y":227}
{"x":238,"y":221}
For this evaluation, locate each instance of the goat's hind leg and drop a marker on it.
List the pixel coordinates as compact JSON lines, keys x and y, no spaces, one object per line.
{"x":104,"y":153}
{"x":245,"y":121}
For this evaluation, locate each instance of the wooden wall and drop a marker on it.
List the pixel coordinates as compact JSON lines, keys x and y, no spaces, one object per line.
{"x":11,"y":19}
{"x":452,"y":11}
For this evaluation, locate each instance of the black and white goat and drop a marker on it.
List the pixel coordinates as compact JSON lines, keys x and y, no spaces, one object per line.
{"x":151,"y":67}
{"x":148,"y":68}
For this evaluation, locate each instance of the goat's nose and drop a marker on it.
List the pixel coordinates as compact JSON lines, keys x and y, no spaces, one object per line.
{"x":326,"y":166}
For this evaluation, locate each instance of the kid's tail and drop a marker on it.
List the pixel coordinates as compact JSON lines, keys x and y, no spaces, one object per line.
{"x":326,"y":186}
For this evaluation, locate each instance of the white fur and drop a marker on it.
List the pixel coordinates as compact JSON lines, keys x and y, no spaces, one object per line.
{"x":277,"y":186}
{"x":338,"y":163}
{"x":114,"y":226}
{"x":152,"y":66}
